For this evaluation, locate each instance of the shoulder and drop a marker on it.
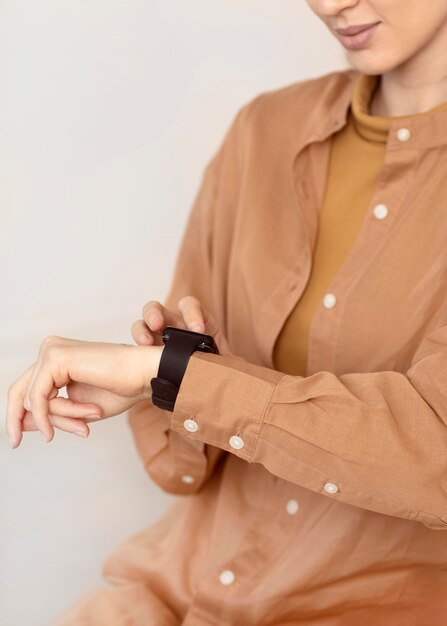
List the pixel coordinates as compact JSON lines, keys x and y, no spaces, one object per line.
{"x":272,"y":122}
{"x":298,"y":102}
{"x":307,"y":90}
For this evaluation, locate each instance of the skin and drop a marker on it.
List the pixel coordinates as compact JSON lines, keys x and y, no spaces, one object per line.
{"x":408,"y":50}
{"x":101,"y":379}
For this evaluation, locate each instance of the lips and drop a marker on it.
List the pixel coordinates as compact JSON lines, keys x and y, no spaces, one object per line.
{"x":354,"y":30}
{"x":360,"y":40}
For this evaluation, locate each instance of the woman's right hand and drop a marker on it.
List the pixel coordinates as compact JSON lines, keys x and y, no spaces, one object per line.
{"x":191,"y":315}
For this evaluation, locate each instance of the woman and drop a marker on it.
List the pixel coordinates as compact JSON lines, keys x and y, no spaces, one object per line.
{"x":312,"y":449}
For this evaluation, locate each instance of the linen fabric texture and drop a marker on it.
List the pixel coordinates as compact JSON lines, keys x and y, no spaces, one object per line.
{"x":331,"y":511}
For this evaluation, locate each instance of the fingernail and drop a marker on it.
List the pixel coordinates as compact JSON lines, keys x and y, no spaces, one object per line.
{"x":153,"y":319}
{"x":92,"y":417}
{"x":81,"y":433}
{"x":11,"y":442}
{"x":46,"y":437}
{"x":196,"y":326}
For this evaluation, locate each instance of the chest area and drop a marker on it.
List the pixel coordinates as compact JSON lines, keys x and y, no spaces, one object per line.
{"x":385,"y":255}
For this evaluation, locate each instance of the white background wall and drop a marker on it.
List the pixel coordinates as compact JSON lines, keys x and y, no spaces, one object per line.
{"x":109,"y":111}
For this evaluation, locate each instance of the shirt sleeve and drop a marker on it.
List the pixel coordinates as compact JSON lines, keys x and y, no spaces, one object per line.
{"x":373,"y":440}
{"x":177,"y":463}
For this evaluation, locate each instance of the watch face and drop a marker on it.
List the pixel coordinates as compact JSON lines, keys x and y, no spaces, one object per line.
{"x":205,"y":342}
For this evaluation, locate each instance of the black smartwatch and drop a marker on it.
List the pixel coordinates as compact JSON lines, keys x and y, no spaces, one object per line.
{"x":179,"y":345}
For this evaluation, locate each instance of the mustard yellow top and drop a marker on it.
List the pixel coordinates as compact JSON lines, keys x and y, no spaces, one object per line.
{"x":357,"y":157}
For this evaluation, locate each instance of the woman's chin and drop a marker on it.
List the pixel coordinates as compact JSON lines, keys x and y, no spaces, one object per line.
{"x":370,"y":64}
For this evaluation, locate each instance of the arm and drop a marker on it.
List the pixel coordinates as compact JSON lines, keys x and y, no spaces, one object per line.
{"x":380,"y":438}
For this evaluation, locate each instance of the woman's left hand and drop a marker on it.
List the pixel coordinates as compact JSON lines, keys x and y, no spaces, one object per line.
{"x":112,"y":376}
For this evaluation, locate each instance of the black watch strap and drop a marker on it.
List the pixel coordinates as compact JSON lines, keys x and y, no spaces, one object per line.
{"x":179,"y":345}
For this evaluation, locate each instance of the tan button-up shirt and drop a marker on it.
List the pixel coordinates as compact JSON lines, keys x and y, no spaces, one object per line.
{"x":312,"y":500}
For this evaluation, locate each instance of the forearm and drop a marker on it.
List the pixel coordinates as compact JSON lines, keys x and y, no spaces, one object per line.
{"x":368,"y":439}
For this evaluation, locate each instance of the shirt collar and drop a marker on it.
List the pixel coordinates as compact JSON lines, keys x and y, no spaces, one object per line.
{"x":407,"y":132}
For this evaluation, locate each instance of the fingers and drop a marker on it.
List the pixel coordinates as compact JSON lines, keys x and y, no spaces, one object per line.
{"x":15,"y":410}
{"x":48,"y":376}
{"x":191,"y":310}
{"x":155,"y":317}
{"x":40,"y":389}
{"x":200,"y":320}
{"x":193,"y":316}
{"x":142,"y":334}
{"x":14,"y":415}
{"x":197,"y":317}
{"x":68,"y":424}
{"x":69,"y":408}
{"x":67,"y":415}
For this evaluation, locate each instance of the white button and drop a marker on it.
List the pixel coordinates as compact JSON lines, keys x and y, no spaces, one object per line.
{"x":331,"y":488}
{"x":187,"y":479}
{"x":329,"y":300}
{"x":403,"y":134}
{"x":227,"y":577}
{"x":380,"y":211}
{"x":191,"y":425}
{"x":237,"y":442}
{"x":292,"y":507}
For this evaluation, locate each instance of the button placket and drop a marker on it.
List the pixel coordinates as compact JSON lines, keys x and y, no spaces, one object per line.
{"x":292,"y":506}
{"x":323,"y":341}
{"x":380,"y":211}
{"x":329,"y":300}
{"x":403,"y":134}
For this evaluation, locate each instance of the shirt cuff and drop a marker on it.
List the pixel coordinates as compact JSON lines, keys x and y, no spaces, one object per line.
{"x":222,"y":401}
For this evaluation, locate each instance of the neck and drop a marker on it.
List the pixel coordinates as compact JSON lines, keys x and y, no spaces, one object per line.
{"x":416,"y":86}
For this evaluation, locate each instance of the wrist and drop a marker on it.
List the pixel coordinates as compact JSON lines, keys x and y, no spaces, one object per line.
{"x":180,"y":344}
{"x":150,"y":356}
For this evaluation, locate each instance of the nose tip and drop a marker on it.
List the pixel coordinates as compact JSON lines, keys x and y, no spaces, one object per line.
{"x":334,"y":7}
